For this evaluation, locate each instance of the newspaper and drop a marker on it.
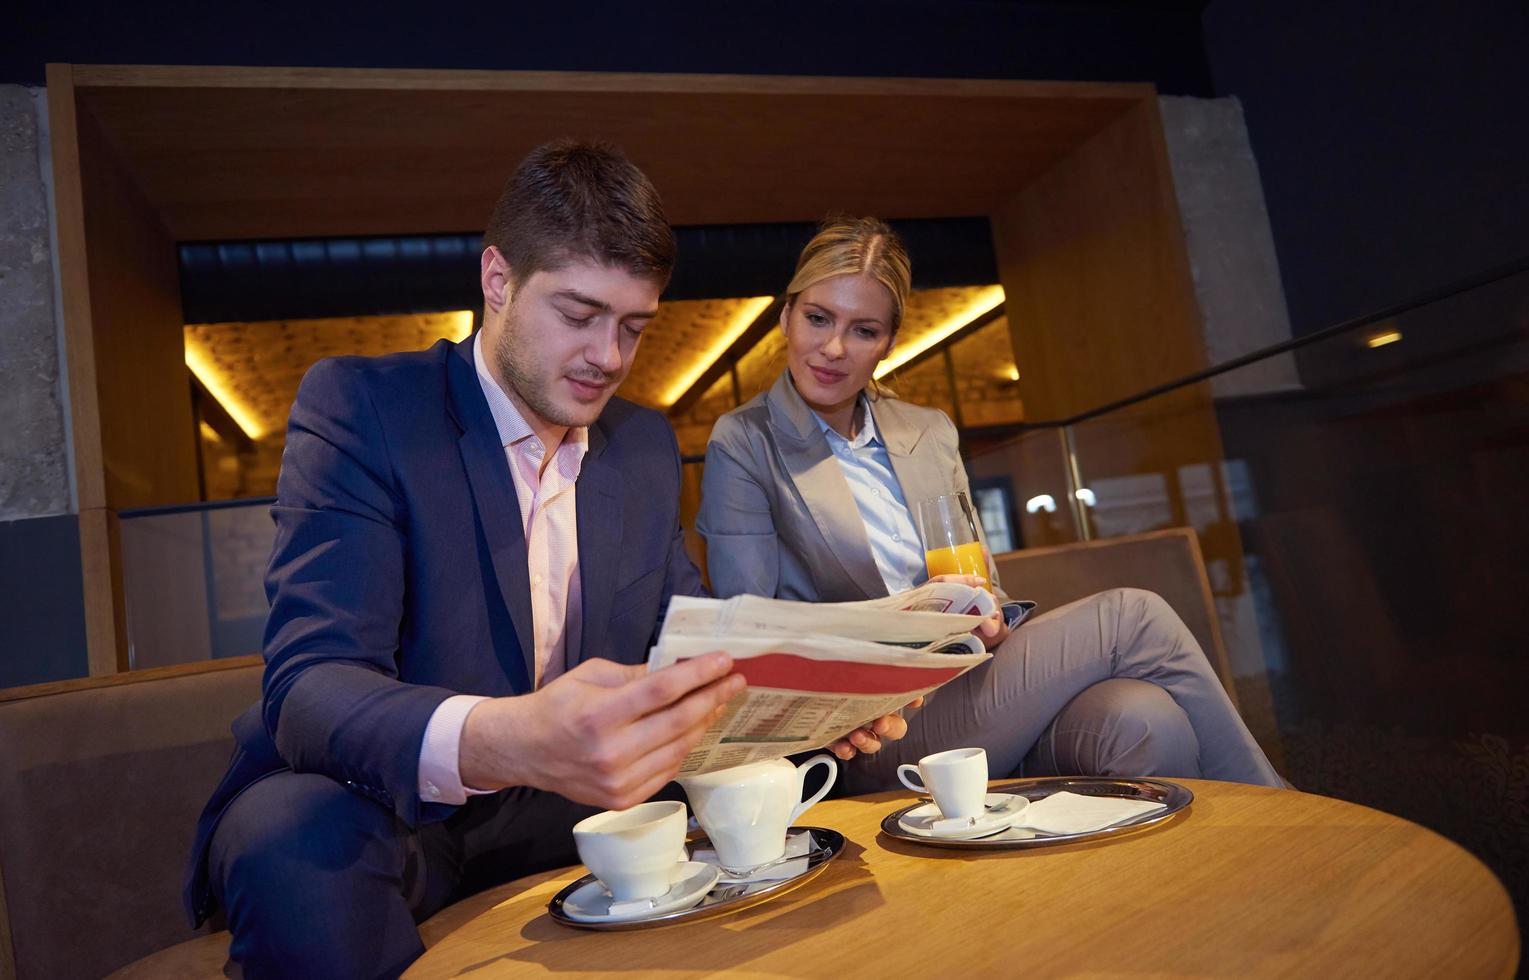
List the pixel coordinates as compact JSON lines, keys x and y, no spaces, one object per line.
{"x":817,"y":671}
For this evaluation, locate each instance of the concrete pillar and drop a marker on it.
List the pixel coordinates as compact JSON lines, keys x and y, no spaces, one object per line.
{"x":34,"y":455}
{"x":1230,"y":244}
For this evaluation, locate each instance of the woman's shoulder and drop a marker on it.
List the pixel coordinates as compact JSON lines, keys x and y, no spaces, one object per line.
{"x":897,"y":411}
{"x":922,"y":413}
{"x":743,"y":425}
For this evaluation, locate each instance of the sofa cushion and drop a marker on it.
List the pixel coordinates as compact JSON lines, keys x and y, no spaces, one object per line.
{"x":101,"y":782}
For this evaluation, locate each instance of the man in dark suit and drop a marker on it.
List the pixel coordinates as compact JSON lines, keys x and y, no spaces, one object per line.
{"x":475,"y":545}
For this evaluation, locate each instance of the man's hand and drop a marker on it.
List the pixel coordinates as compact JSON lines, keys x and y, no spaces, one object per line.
{"x":868,"y":739}
{"x":603,"y":733}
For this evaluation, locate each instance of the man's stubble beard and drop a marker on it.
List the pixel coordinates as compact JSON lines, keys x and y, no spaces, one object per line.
{"x":517,"y":367}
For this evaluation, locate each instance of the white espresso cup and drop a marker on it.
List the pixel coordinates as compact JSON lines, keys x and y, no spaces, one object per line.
{"x":746,"y":810}
{"x":956,"y":779}
{"x":635,"y":852}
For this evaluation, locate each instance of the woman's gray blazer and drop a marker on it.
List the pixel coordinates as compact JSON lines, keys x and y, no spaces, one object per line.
{"x":776,"y":511}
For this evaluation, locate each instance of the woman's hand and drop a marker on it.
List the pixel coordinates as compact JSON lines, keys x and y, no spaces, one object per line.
{"x":991,"y":631}
{"x":868,"y":739}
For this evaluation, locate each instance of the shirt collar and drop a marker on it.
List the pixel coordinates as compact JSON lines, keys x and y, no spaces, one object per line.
{"x":865,"y":437}
{"x":513,"y":427}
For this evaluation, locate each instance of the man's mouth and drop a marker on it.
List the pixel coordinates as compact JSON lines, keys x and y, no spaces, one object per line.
{"x":586,"y":388}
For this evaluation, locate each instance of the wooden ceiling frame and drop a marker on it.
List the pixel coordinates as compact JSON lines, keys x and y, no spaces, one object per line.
{"x":1074,"y":177}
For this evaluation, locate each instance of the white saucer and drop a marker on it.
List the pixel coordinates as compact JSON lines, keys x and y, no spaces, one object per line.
{"x":1002,"y":810}
{"x":592,"y":903}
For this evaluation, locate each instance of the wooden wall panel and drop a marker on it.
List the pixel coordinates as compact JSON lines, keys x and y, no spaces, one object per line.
{"x":142,"y":384}
{"x":1095,"y":273}
{"x":129,"y":396}
{"x":101,"y":574}
{"x":74,"y":286}
{"x":105,"y":622}
{"x":269,"y":152}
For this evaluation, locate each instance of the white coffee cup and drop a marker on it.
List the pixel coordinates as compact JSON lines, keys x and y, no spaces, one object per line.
{"x":956,"y":779}
{"x":746,"y":810}
{"x":636,"y":852}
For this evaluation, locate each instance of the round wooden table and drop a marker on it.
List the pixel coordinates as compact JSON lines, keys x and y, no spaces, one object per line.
{"x":1247,"y":882}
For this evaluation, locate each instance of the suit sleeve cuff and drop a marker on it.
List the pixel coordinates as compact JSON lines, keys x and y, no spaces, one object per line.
{"x":440,"y":779}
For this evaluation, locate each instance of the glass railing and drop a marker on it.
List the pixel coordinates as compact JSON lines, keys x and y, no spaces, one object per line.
{"x":1360,"y":500}
{"x":192,"y":580}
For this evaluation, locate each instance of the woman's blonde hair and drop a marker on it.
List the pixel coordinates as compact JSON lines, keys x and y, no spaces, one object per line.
{"x":845,"y":246}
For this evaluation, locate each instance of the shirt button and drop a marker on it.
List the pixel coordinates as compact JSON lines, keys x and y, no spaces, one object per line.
{"x":433,"y":790}
{"x":876,"y":492}
{"x":897,"y":537}
{"x":536,"y":579}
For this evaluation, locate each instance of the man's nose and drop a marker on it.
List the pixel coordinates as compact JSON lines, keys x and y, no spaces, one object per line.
{"x":605,"y":353}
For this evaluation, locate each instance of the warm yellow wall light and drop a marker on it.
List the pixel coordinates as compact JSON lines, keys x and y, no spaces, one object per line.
{"x":458,"y":326}
{"x":217,"y":386}
{"x":1013,"y":373}
{"x":1382,"y":339}
{"x":748,"y":311}
{"x":984,"y":302}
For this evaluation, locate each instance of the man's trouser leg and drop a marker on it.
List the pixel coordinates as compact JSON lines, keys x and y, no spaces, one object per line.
{"x":318,"y":880}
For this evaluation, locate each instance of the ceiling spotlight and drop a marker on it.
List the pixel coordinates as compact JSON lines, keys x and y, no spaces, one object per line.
{"x":1382,"y":339}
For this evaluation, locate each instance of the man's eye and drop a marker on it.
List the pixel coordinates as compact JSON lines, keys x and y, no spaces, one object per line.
{"x":633,"y":329}
{"x":577,"y":321}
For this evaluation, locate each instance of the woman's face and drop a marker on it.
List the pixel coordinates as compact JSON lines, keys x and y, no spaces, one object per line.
{"x":837,"y":331}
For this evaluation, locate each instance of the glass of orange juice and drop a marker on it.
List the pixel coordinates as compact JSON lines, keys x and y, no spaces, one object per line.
{"x":953,"y":539}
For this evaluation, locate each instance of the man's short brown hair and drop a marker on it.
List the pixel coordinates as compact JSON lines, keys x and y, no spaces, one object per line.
{"x":570,"y":199}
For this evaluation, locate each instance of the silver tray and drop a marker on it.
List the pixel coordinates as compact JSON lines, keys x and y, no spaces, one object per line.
{"x":1174,"y":796}
{"x":724,"y":897}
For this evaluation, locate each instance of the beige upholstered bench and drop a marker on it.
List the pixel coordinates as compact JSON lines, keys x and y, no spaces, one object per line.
{"x":101,"y":781}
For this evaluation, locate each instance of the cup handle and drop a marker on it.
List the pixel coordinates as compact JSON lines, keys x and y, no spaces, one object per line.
{"x":801,"y":772}
{"x":902,"y":777}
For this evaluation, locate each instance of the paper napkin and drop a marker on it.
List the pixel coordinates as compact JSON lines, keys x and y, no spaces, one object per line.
{"x":1072,"y":813}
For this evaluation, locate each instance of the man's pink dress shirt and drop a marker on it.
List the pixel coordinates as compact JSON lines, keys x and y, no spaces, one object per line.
{"x":548,"y":518}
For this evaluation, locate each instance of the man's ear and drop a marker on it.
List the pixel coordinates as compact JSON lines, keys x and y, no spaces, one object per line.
{"x":494,"y":276}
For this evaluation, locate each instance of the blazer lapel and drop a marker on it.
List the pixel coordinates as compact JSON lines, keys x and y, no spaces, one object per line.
{"x":493,"y":490}
{"x":920,"y":477}
{"x":597,"y":503}
{"x":804,"y":450}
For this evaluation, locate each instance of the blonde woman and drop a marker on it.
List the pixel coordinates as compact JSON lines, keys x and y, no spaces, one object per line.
{"x":807,"y":495}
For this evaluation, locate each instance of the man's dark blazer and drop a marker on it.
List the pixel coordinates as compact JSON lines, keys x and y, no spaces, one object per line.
{"x":398,"y":576}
